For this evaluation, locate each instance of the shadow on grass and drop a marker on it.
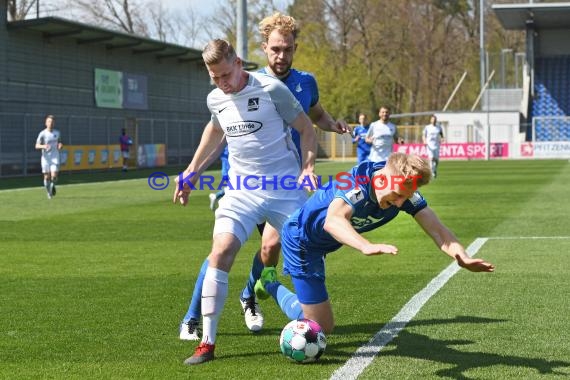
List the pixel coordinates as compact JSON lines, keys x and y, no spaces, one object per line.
{"x":418,"y":346}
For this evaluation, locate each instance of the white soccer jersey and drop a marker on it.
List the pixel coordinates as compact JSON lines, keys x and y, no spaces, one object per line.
{"x":255,"y":122}
{"x":432,"y":134}
{"x":383,"y":140}
{"x":51,"y":139}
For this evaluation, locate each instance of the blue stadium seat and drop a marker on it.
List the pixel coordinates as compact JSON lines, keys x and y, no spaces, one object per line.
{"x":552,"y":97}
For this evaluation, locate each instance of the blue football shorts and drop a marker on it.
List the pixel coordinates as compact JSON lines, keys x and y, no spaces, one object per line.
{"x":307,"y":269}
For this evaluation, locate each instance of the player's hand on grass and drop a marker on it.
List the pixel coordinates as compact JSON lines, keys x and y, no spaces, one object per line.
{"x":475,"y":265}
{"x":379,"y":249}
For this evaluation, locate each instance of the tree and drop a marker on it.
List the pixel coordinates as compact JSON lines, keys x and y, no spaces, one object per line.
{"x":19,"y":9}
{"x":124,"y":15}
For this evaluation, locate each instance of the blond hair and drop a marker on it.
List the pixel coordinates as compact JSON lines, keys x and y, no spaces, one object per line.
{"x":278,"y":21}
{"x":217,"y":51}
{"x":413,"y":168}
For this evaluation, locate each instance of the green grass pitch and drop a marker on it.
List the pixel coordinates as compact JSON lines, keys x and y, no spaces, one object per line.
{"x":93,"y":283}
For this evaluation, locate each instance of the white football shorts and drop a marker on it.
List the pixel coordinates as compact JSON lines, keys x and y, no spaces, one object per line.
{"x":239,"y":212}
{"x":433,"y":154}
{"x":50,"y":164}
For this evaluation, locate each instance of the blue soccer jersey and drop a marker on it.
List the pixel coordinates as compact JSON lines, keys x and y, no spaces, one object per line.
{"x":304,"y":87}
{"x":305,"y":242}
{"x":362,"y":147}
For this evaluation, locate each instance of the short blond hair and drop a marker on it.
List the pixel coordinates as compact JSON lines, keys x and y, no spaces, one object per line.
{"x":413,"y":168}
{"x":284,"y":24}
{"x":217,"y":51}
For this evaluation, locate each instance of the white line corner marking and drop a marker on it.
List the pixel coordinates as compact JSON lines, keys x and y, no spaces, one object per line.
{"x":366,"y":353}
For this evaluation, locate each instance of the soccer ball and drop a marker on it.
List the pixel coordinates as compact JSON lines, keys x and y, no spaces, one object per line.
{"x":302,"y":340}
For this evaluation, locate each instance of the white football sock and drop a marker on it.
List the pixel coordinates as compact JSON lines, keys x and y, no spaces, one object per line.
{"x":214,"y":294}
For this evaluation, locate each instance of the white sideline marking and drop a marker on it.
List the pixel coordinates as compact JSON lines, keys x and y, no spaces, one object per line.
{"x":41,"y":186}
{"x":366,"y":353}
{"x":527,"y":237}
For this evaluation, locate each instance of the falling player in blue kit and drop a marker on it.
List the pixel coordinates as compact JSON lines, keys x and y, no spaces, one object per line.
{"x":368,"y":197}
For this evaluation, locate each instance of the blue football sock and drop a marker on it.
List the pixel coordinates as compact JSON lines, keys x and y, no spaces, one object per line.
{"x":195,"y":308}
{"x":256,"y":268}
{"x":286,"y":299}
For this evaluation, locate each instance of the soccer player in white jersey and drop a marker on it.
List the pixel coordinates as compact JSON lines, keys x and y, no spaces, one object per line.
{"x":433,"y":137}
{"x":49,"y":141}
{"x":279,"y":33}
{"x":252,"y":112}
{"x":382,"y":134}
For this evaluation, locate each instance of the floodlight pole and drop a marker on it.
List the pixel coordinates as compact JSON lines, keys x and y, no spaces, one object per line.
{"x":482,"y":41}
{"x":241,"y":43}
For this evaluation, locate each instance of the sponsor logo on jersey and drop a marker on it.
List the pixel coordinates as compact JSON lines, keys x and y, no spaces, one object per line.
{"x":355,"y":195}
{"x":359,"y":223}
{"x":242,"y":128}
{"x":416,"y":199}
{"x":253,"y":104}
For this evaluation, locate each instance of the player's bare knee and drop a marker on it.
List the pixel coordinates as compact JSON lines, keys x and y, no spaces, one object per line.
{"x":222,"y":259}
{"x":270,"y":252}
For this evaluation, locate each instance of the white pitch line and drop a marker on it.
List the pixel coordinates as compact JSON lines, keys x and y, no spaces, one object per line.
{"x":35,"y":188}
{"x":527,"y":237}
{"x":366,"y":353}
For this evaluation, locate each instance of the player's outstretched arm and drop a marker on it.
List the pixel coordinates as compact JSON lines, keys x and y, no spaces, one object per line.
{"x":448,"y":243}
{"x":338,"y":225}
{"x":303,"y":125}
{"x":326,"y":122}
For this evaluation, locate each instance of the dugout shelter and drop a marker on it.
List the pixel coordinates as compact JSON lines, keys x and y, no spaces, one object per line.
{"x":96,"y":82}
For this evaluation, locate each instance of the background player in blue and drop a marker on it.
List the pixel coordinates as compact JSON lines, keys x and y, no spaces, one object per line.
{"x":337,"y":215}
{"x":359,"y":133}
{"x":279,"y":33}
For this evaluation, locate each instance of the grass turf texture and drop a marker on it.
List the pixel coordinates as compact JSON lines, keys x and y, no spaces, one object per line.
{"x":95,"y":282}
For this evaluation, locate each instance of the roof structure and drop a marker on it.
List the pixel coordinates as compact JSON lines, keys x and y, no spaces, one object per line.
{"x":539,"y":15}
{"x":55,"y":27}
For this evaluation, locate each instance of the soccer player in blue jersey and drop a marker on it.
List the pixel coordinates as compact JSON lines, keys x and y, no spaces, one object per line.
{"x":359,"y":138}
{"x":279,"y":33}
{"x":368,"y":197}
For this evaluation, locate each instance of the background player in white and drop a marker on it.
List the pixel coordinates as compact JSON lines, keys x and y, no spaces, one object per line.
{"x":49,"y":141}
{"x":252,"y":112}
{"x":433,"y":137}
{"x":382,"y":134}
